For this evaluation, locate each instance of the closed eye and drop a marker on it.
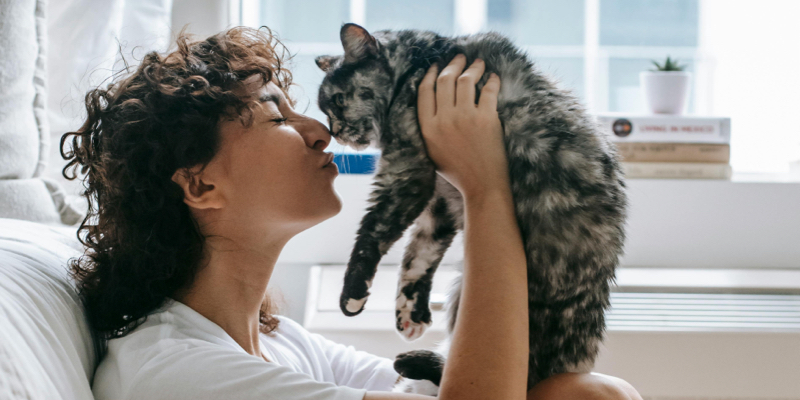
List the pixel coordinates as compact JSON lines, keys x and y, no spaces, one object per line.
{"x":338,"y":99}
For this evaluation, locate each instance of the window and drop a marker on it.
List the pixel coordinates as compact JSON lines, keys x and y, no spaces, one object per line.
{"x":743,"y":55}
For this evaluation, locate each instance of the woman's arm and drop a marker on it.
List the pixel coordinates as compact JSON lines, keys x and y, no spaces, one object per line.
{"x":489,"y":352}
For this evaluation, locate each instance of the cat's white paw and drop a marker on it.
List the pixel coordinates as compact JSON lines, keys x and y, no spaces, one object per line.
{"x":407,"y":328}
{"x":414,"y":386}
{"x":354,"y":305}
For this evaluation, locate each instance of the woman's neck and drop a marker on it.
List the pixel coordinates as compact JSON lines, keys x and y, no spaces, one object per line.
{"x":230,"y":288}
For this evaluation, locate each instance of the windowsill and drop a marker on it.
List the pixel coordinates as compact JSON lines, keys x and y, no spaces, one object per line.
{"x":742,"y":177}
{"x":370,"y":155}
{"x":765,"y":178}
{"x":750,"y":221}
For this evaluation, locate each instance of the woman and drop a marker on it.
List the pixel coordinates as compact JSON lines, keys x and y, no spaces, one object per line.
{"x":199,"y":172}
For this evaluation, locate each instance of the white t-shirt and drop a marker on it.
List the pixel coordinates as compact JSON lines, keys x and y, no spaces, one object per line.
{"x":179,"y":354}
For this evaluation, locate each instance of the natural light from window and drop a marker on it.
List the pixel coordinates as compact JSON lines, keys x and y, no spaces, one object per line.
{"x":743,"y":55}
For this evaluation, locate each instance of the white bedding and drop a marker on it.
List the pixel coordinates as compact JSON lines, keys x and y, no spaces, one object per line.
{"x":46,"y":351}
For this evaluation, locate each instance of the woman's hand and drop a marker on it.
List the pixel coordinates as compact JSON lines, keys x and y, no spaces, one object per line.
{"x":464,"y":140}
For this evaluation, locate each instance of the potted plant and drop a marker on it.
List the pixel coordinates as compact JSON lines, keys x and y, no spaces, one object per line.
{"x":665,"y":87}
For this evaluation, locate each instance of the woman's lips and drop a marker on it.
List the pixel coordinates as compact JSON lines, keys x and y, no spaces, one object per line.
{"x":331,"y":166}
{"x":328,"y":160}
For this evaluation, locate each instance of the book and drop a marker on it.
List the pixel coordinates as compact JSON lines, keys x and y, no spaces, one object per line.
{"x":665,"y":128}
{"x":674,"y":152}
{"x":356,"y":163}
{"x":672,"y":170}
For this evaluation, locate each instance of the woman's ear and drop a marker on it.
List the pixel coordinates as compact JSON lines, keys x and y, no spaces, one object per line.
{"x":197,"y":191}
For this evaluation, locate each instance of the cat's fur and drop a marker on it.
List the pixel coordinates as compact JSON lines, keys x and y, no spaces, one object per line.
{"x":568,"y":188}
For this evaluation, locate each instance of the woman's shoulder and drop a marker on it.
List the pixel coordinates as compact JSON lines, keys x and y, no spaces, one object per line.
{"x":171,"y":325}
{"x":193,"y":370}
{"x":287,"y":325}
{"x":163,"y":361}
{"x":168,"y":337}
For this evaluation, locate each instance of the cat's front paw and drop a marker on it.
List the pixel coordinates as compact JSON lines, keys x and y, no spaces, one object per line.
{"x":410,"y":322}
{"x":354,"y":296}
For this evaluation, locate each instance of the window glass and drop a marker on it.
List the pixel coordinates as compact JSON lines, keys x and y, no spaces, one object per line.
{"x":630,"y":33}
{"x":436,"y":15}
{"x":540,"y":22}
{"x":649,"y":22}
{"x":307,"y":78}
{"x":566,"y":71}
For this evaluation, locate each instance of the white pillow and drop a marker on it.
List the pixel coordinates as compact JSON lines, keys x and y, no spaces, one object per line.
{"x":24,"y":134}
{"x":23,"y":123}
{"x":80,"y":55}
{"x":46,"y":349}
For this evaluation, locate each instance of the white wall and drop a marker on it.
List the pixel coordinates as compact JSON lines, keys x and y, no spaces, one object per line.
{"x":205,"y":17}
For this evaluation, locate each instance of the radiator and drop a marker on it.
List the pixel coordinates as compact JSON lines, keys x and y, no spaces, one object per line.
{"x":672,"y":333}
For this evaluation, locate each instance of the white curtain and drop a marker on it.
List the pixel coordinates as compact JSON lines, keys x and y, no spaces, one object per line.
{"x":84,"y":40}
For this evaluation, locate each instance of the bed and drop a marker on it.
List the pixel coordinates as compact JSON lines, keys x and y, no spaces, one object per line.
{"x":46,"y":348}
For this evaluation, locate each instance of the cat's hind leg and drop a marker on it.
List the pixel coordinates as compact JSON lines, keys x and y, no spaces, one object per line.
{"x":421,"y":371}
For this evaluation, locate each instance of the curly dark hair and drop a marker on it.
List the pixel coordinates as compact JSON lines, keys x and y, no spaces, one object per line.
{"x":144,"y":245}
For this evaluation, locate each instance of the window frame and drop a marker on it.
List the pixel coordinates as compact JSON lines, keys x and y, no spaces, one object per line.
{"x":739,"y":196}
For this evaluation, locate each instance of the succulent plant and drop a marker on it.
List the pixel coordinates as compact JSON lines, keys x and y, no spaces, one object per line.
{"x":669,"y":65}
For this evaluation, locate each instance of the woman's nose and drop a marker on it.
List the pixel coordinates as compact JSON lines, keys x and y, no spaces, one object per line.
{"x":316,"y":135}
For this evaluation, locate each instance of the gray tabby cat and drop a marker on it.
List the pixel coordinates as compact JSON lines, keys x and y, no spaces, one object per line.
{"x":566,"y":181}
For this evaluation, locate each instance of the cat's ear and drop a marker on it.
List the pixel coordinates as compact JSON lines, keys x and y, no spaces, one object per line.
{"x":357,"y":42}
{"x":325,"y":62}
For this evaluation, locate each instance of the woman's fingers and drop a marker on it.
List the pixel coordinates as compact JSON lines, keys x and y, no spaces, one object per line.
{"x":426,"y":98}
{"x":465,"y":84}
{"x":489,"y":93}
{"x":446,"y":82}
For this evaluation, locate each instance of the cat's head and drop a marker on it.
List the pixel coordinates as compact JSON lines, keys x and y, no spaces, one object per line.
{"x":357,"y":88}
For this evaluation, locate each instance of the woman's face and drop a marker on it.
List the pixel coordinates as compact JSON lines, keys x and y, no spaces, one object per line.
{"x":274,"y":174}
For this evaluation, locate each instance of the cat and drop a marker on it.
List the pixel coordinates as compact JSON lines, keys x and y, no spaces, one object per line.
{"x":566,"y":181}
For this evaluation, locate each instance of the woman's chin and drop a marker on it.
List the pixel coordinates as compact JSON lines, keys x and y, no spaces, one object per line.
{"x":337,"y":202}
{"x":331,"y":207}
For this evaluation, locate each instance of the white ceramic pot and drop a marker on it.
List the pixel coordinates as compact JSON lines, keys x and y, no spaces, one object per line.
{"x":665,"y":92}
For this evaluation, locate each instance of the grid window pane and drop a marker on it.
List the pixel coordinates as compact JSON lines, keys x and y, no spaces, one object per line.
{"x":567,"y":72}
{"x":306,"y":77}
{"x":306,"y":20}
{"x":649,"y":22}
{"x":435,"y":15}
{"x":540,"y":22}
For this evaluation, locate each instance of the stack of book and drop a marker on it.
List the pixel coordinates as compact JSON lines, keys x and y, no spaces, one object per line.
{"x":671,"y":146}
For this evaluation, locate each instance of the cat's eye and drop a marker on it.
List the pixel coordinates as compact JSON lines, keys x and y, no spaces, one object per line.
{"x":366,"y":94}
{"x":338,"y":99}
